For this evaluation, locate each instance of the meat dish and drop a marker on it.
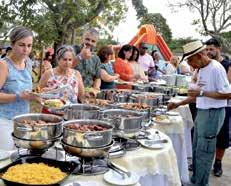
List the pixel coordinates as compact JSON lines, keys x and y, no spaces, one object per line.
{"x":86,"y":127}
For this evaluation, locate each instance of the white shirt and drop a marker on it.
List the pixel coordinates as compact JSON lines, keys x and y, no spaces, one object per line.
{"x":212,"y":78}
{"x":146,"y":61}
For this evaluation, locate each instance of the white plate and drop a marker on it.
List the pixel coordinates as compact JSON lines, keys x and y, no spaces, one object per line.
{"x":150,"y":145}
{"x":165,"y":121}
{"x":114,"y":178}
{"x":52,"y":93}
{"x":4,"y":155}
{"x":171,"y":113}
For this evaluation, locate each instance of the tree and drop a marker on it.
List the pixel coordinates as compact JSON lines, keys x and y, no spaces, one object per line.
{"x":160,"y":24}
{"x":54,"y":21}
{"x":176,"y":44}
{"x":155,"y":19}
{"x":215,"y":17}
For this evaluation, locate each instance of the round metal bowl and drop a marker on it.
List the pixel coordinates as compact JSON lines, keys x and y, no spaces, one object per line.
{"x":33,"y":144}
{"x":87,"y":139}
{"x":81,"y":111}
{"x":122,"y":119}
{"x":87,"y":152}
{"x":50,"y":130}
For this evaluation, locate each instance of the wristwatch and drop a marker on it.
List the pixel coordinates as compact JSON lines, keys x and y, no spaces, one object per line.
{"x":201,"y":93}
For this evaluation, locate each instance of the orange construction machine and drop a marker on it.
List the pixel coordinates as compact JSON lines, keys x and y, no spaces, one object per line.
{"x":147,"y":34}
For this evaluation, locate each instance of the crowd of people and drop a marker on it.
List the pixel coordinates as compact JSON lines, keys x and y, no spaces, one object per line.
{"x":80,"y":68}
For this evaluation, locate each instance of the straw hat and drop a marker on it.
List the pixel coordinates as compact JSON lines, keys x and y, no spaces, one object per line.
{"x":192,"y":48}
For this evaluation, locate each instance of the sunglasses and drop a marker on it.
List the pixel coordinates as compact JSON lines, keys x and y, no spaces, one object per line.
{"x":145,"y":48}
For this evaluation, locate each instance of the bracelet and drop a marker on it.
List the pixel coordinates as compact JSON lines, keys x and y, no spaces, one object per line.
{"x":17,"y":97}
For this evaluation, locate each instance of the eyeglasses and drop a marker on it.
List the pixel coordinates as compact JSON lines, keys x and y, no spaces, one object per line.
{"x":145,"y":48}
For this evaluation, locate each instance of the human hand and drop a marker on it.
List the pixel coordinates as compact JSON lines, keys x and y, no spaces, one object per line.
{"x":172,"y":106}
{"x":27,"y":95}
{"x":117,"y":76}
{"x":85,"y":52}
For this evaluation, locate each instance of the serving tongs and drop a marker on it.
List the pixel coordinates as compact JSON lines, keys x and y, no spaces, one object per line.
{"x":120,"y":170}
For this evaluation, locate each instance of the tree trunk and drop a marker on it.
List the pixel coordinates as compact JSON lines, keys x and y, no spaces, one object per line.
{"x":73,"y":36}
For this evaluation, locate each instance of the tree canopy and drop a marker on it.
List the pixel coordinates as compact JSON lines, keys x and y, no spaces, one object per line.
{"x":215,"y":17}
{"x":54,"y":21}
{"x":155,"y":19}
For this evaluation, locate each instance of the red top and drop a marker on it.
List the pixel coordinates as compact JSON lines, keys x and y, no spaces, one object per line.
{"x":124,"y":69}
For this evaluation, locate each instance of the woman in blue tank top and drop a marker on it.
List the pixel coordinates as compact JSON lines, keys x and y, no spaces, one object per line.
{"x":15,"y":83}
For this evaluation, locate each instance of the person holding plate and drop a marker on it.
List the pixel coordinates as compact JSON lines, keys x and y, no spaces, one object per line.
{"x":15,"y":83}
{"x":63,"y":76}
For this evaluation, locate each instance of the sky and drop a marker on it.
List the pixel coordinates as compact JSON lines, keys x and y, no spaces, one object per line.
{"x":179,"y":22}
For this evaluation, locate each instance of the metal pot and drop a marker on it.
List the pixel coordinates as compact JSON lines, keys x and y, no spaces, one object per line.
{"x":181,"y":81}
{"x":51,"y":130}
{"x":170,"y":79}
{"x":122,"y":119}
{"x":151,"y":99}
{"x":87,"y":152}
{"x":33,"y":144}
{"x":141,"y":87}
{"x":145,"y":112}
{"x":81,"y":111}
{"x":88,"y":139}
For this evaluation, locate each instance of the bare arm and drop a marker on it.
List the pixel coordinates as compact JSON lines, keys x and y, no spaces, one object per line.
{"x":97,"y":83}
{"x":81,"y":90}
{"x":106,"y":77}
{"x":5,"y":98}
{"x":183,"y":102}
{"x":44,"y":79}
{"x":216,"y":95}
{"x":9,"y":98}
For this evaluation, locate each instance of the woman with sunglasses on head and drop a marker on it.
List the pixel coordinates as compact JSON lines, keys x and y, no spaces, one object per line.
{"x":15,"y":83}
{"x":63,"y":75}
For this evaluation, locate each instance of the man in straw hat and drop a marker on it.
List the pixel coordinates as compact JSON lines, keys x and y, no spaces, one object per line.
{"x":211,"y":92}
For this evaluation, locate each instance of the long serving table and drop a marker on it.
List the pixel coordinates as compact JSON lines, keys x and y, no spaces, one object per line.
{"x":154,"y":166}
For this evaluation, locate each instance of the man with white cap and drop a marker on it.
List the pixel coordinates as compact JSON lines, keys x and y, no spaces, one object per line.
{"x":211,"y":93}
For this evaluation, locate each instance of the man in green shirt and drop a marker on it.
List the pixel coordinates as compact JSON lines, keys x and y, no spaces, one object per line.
{"x":88,"y":63}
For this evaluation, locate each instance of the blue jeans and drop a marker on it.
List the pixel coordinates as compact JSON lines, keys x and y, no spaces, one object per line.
{"x":207,"y":125}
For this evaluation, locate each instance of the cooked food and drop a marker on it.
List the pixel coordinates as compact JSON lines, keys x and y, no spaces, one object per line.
{"x":135,"y":106}
{"x":98,"y":102}
{"x":86,"y":127}
{"x":34,"y":174}
{"x":54,"y":103}
{"x":162,"y":118}
{"x":35,"y":122}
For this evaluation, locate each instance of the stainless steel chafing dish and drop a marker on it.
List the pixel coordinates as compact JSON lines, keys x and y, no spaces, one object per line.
{"x":87,"y":133}
{"x":36,"y":126}
{"x":81,"y":111}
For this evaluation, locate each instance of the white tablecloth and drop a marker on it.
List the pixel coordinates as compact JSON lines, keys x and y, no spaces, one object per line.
{"x":175,"y":130}
{"x":187,"y":121}
{"x":155,"y":167}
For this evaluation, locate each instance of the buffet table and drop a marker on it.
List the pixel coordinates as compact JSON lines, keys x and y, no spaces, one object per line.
{"x":154,"y":166}
{"x":175,"y":130}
